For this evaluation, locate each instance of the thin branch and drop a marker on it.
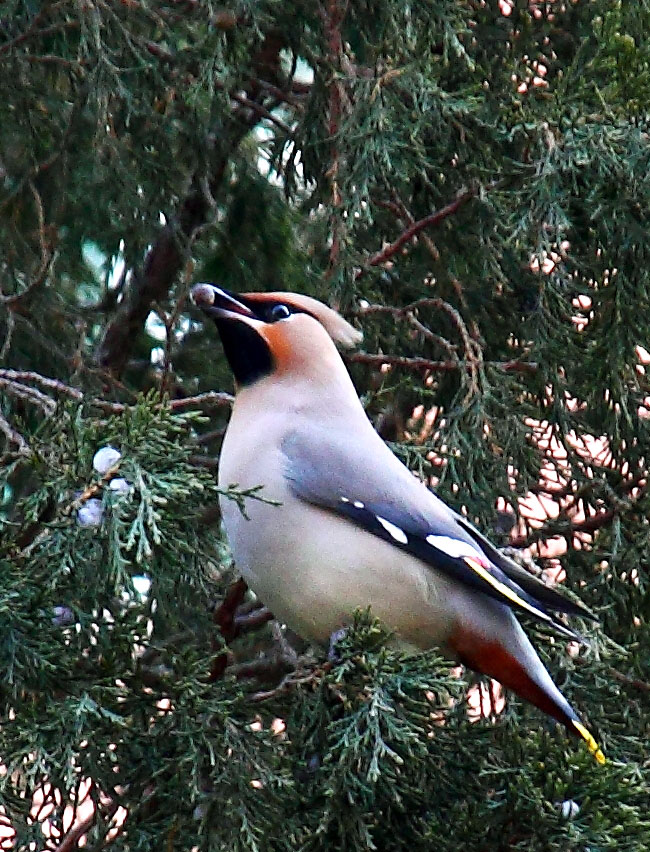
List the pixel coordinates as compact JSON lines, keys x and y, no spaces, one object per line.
{"x":261,"y":111}
{"x":414,"y":229}
{"x":9,"y":333}
{"x":588,"y":525}
{"x":29,"y":394}
{"x":70,"y":842}
{"x":436,"y":366}
{"x":33,"y":32}
{"x":635,"y":683}
{"x":211,"y":399}
{"x":44,"y":381}
{"x":279,"y":93}
{"x":14,"y":437}
{"x":400,"y":210}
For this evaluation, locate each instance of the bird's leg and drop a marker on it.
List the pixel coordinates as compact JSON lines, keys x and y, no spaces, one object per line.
{"x":224,"y":615}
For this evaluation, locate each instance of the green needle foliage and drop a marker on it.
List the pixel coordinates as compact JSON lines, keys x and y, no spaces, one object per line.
{"x":468,"y":182}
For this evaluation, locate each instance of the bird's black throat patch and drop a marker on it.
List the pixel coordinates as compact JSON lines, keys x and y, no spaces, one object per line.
{"x":247,"y":352}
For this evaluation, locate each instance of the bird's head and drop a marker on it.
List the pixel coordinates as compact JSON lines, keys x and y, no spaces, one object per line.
{"x":273,"y":333}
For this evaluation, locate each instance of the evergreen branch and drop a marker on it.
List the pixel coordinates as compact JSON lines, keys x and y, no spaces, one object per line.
{"x":168,"y":254}
{"x":33,"y":32}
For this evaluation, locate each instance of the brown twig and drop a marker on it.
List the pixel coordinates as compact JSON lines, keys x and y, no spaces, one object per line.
{"x":278,"y":93}
{"x":29,"y":394}
{"x":14,"y":437}
{"x":415,"y":227}
{"x":210,"y":399}
{"x":261,"y":111}
{"x":472,"y":348}
{"x":400,"y":210}
{"x":427,"y":364}
{"x":588,"y":525}
{"x":635,"y":683}
{"x":70,"y":842}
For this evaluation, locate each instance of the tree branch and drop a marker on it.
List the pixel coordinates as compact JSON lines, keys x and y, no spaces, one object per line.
{"x":435,"y":366}
{"x":588,"y":525}
{"x":415,"y":227}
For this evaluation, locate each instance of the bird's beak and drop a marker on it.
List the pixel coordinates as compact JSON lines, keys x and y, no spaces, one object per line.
{"x":219,"y":303}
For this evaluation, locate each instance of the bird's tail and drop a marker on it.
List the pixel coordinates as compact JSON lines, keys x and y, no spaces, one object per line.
{"x":525,"y":675}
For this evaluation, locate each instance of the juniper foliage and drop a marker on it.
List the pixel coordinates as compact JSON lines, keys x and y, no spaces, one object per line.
{"x":467,"y":181}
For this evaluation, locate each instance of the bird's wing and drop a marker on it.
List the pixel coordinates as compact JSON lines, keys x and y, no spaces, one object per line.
{"x":535,"y":587}
{"x":370,"y":487}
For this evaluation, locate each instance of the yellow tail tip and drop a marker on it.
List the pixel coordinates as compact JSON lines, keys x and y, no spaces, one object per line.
{"x":592,"y":745}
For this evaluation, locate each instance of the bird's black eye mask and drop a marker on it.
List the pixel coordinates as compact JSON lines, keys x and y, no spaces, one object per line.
{"x":248,"y":353}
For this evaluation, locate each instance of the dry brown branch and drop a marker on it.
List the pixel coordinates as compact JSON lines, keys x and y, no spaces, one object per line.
{"x":211,"y":399}
{"x":635,"y":683}
{"x":29,"y":394}
{"x":43,"y":381}
{"x":70,"y":843}
{"x":473,"y":352}
{"x":9,"y":333}
{"x":400,"y":210}
{"x":427,"y":364}
{"x":261,"y":111}
{"x":588,"y":525}
{"x":415,"y":227}
{"x":279,"y":94}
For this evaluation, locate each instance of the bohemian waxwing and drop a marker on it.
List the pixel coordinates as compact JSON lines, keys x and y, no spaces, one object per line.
{"x":349,"y":526}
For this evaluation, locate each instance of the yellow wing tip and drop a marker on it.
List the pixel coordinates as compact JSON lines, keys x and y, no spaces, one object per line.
{"x":592,"y":745}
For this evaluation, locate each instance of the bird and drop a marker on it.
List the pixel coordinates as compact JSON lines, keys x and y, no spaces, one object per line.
{"x":344,"y":525}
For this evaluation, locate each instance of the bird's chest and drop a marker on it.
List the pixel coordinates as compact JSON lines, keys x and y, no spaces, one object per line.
{"x":311,"y":567}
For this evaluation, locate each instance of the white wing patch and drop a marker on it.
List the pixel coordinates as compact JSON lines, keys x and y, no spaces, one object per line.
{"x":454,"y":547}
{"x":398,"y":534}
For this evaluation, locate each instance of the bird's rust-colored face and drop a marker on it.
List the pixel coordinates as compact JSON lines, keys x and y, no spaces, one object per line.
{"x":264,"y":333}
